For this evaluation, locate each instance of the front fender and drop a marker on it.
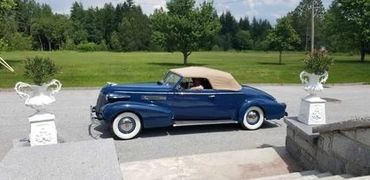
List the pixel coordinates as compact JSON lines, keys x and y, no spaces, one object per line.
{"x":272,"y":109}
{"x":151,"y":115}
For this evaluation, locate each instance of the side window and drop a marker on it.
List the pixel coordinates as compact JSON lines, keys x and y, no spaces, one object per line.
{"x":186,"y":83}
{"x":206,"y":84}
{"x":195,"y":84}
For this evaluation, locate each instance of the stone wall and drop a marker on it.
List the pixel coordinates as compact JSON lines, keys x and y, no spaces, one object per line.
{"x":340,"y":148}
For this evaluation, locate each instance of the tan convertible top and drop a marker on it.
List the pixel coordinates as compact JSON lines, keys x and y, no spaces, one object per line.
{"x":219,"y":79}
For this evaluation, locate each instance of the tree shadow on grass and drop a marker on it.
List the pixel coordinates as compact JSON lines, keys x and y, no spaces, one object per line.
{"x":13,"y":62}
{"x":351,"y":62}
{"x":175,"y":64}
{"x":270,"y":63}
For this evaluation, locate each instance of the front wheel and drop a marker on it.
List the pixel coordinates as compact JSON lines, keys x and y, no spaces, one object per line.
{"x":253,"y":118}
{"x":126,"y":125}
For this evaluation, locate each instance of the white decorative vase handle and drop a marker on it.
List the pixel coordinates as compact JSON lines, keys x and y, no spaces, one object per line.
{"x":54,"y":85}
{"x":22,"y":88}
{"x":304,"y":77}
{"x":324,"y":77}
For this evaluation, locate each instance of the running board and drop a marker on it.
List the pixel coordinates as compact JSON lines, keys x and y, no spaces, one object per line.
{"x":202,"y":122}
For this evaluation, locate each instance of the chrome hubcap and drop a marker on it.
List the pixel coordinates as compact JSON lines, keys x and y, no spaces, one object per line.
{"x":126,"y":125}
{"x":253,"y":117}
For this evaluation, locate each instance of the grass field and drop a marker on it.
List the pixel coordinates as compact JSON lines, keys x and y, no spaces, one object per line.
{"x":91,"y":69}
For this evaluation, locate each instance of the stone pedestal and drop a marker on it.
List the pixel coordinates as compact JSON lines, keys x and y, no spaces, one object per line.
{"x":312,"y":110}
{"x":43,"y":130}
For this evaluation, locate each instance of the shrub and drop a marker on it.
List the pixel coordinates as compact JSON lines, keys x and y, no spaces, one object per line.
{"x":69,"y":45}
{"x":318,"y":62}
{"x":102,"y":46}
{"x":18,"y":41}
{"x":3,"y":45}
{"x":87,"y":46}
{"x":40,"y":70}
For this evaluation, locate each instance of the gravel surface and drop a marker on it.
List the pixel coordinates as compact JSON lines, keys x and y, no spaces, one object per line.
{"x":72,"y":121}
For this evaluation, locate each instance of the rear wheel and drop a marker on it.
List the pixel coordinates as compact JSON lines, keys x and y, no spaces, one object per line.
{"x":126,"y":125}
{"x":253,"y":118}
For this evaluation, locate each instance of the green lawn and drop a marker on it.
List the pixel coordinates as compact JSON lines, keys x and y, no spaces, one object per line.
{"x":90,"y":69}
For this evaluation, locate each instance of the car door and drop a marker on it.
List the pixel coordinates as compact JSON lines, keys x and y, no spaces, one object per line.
{"x":207,"y":104}
{"x":227,"y":104}
{"x":194,"y":105}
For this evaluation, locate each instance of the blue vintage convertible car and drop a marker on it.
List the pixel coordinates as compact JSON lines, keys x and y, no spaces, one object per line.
{"x":186,"y":96}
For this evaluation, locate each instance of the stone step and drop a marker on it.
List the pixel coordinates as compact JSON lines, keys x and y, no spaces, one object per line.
{"x":244,"y":164}
{"x":317,"y":176}
{"x":295,"y":175}
{"x":307,"y":175}
{"x":342,"y":176}
{"x":95,"y":159}
{"x":360,"y":178}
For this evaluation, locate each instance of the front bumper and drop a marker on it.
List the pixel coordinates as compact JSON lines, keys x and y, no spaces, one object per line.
{"x":93,"y":118}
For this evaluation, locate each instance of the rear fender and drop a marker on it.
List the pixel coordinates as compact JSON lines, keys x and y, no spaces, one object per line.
{"x":150,"y":114}
{"x":271,"y":109}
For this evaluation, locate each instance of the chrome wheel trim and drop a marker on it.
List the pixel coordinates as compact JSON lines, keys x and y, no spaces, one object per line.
{"x":253,"y":117}
{"x":253,"y":120}
{"x":126,"y":125}
{"x":119,"y":128}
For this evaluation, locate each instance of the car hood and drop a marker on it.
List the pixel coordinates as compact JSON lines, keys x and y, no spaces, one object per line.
{"x":139,"y":87}
{"x":251,"y":91}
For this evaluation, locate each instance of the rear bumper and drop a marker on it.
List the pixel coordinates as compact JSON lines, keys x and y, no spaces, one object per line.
{"x":284,"y":105}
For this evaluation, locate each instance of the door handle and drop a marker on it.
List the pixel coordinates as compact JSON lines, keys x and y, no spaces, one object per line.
{"x":211,"y":96}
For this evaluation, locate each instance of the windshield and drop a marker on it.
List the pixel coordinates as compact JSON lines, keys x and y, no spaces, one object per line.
{"x":171,"y":79}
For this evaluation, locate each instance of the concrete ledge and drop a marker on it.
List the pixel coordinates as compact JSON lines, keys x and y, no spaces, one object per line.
{"x":343,"y":125}
{"x":340,"y":148}
{"x":95,"y":159}
{"x":301,"y":143}
{"x":305,"y":130}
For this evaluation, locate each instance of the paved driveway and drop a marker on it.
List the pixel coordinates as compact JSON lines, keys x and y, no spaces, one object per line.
{"x":72,"y":113}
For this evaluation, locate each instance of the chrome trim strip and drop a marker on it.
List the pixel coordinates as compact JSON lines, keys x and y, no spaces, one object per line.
{"x":153,"y":98}
{"x":179,"y":93}
{"x":143,"y":92}
{"x":206,"y":93}
{"x":203,"y":122}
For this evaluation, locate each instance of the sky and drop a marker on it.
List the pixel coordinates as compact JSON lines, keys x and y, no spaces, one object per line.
{"x":265,"y":9}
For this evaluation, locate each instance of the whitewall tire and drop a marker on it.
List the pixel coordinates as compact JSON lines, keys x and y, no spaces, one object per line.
{"x":126,"y":125}
{"x":253,"y":118}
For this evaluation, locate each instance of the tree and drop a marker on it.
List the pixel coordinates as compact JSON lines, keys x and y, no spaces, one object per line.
{"x":357,"y":13}
{"x":244,"y":24}
{"x":229,"y":28}
{"x":301,"y":18}
{"x":282,"y":37}
{"x":338,"y":31}
{"x":134,"y":30}
{"x":115,"y":43}
{"x":5,"y":12}
{"x":184,"y":27}
{"x":6,"y":5}
{"x":243,"y":40}
{"x":259,"y":30}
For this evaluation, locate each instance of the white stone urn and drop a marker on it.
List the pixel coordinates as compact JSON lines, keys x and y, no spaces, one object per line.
{"x":312,"y":109}
{"x":313,"y":83}
{"x":43,"y":130}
